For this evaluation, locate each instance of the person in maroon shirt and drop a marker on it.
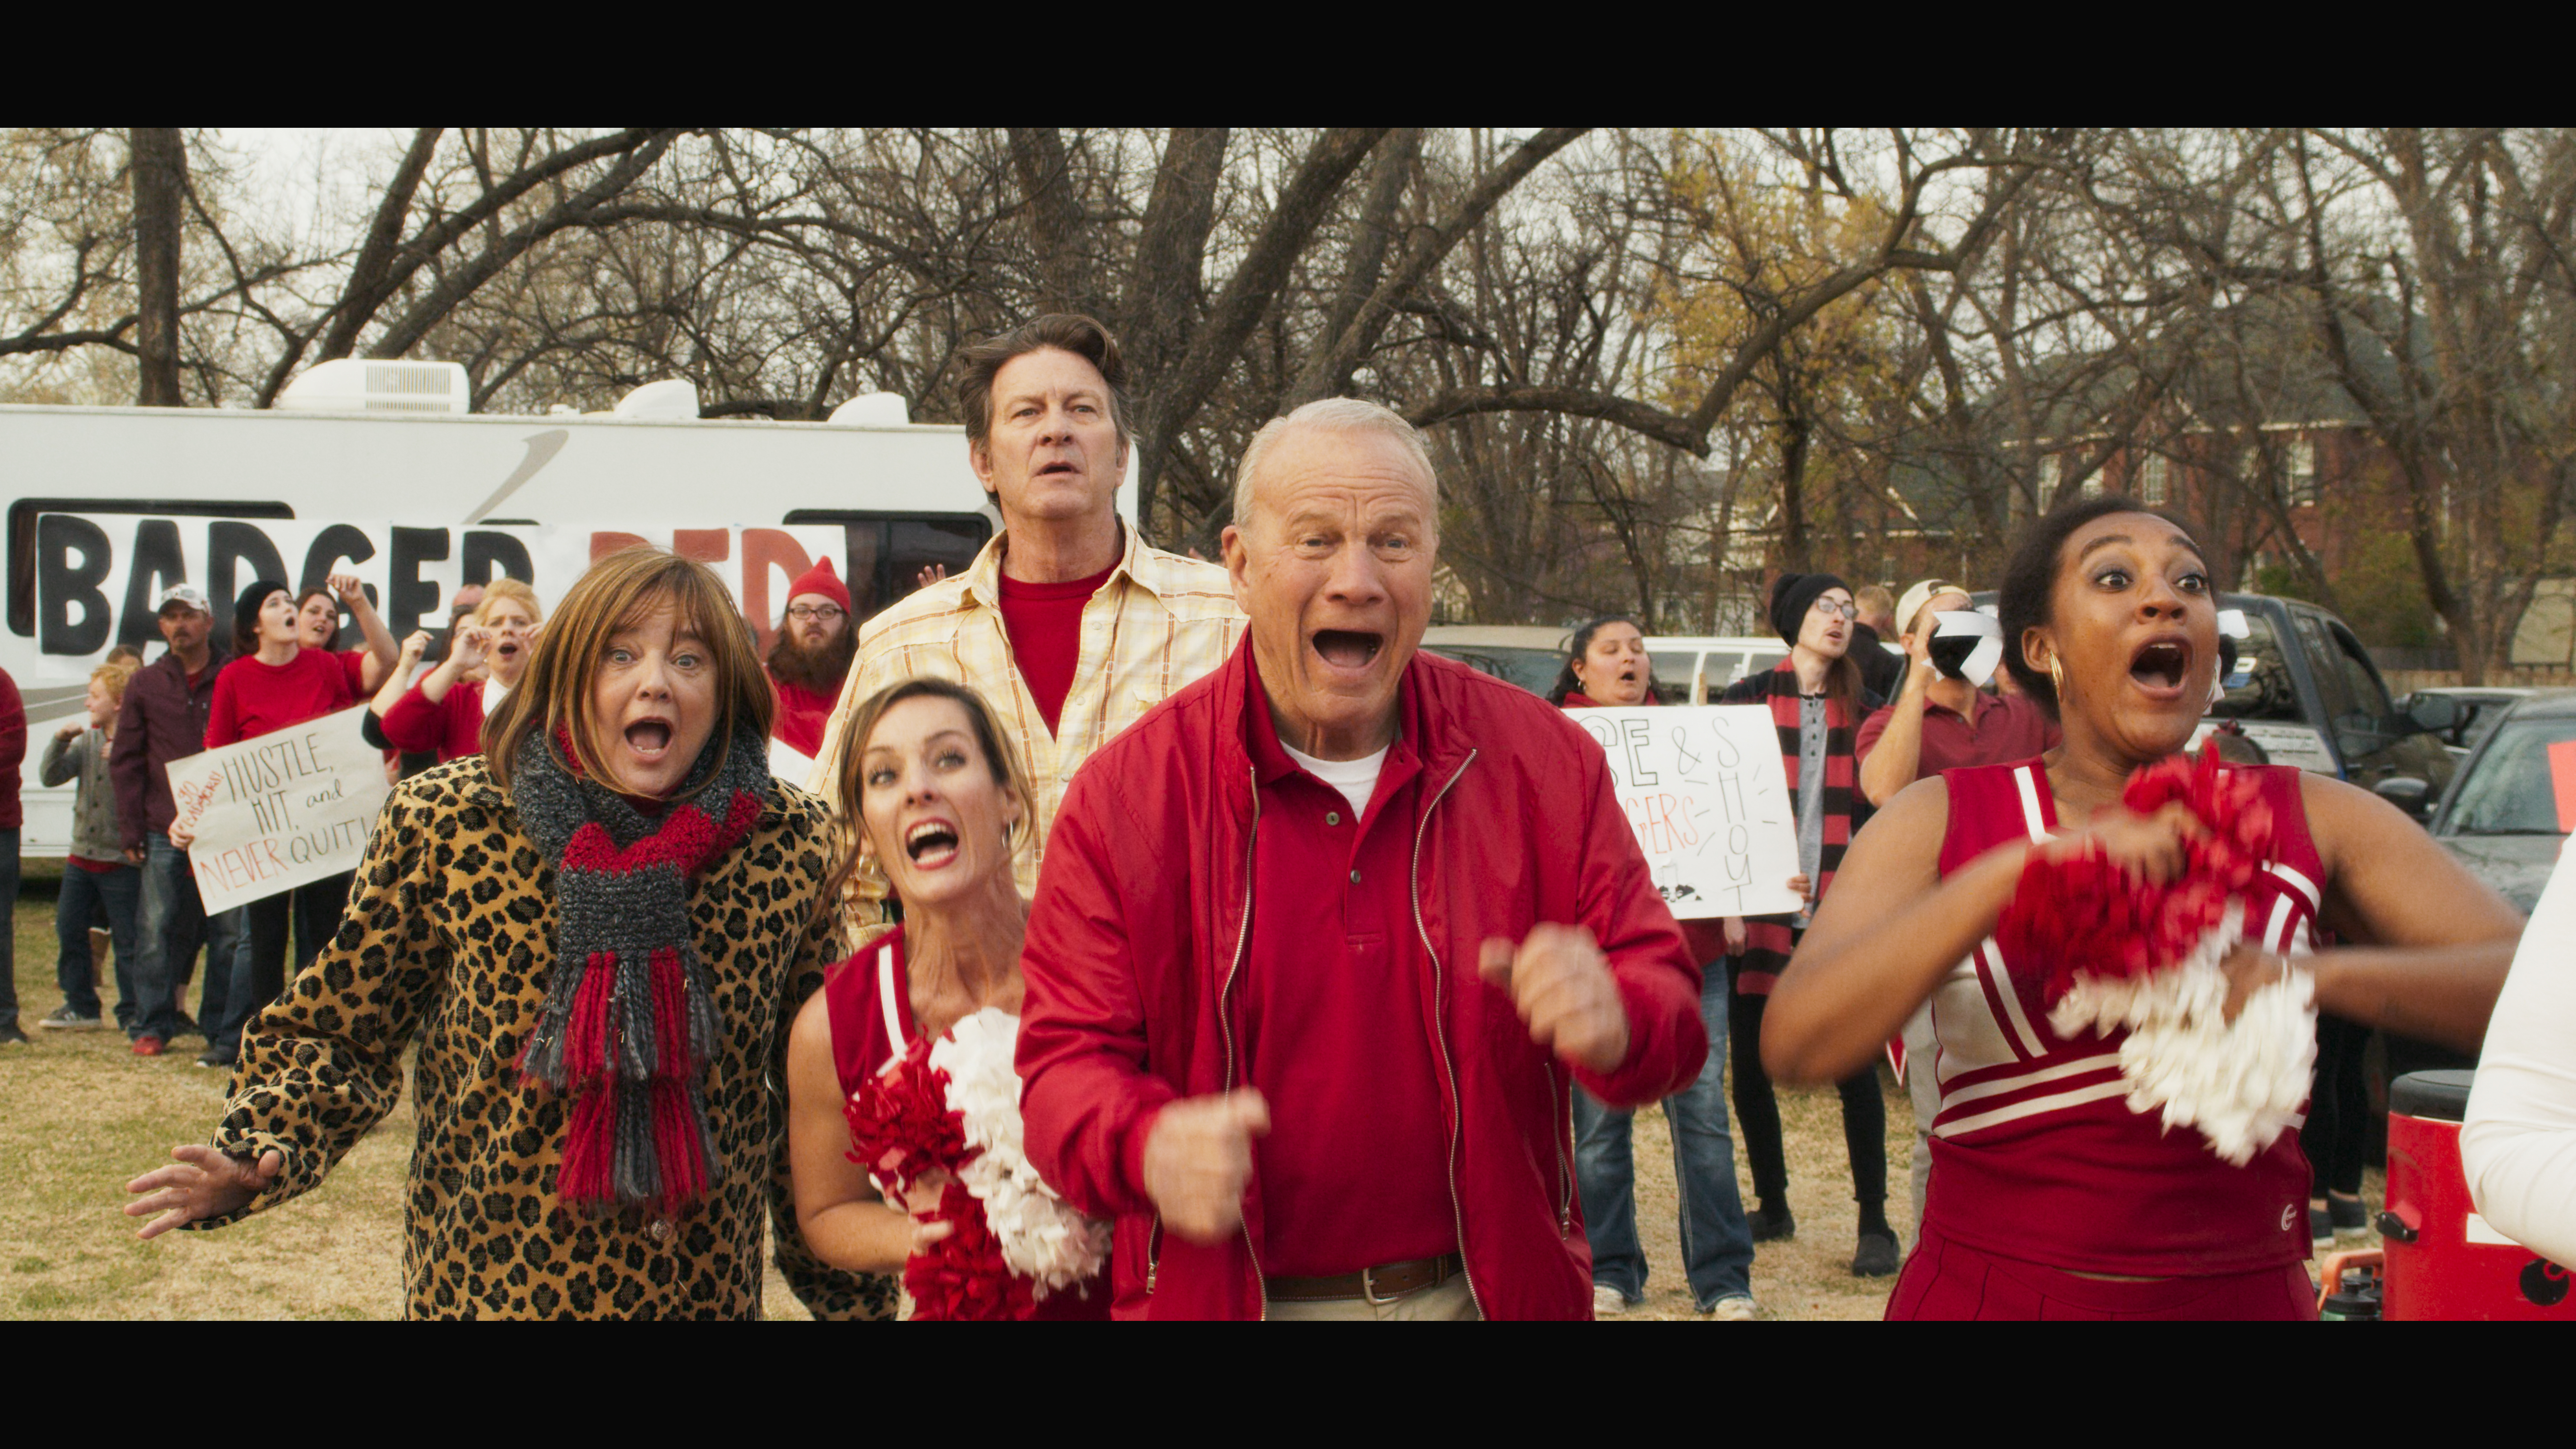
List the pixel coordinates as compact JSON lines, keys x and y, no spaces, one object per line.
{"x":1253,"y":1034}
{"x":816,"y":641}
{"x":13,"y":755}
{"x":1938,"y":722}
{"x":272,"y":683}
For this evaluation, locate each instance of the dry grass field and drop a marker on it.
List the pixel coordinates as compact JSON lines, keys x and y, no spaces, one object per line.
{"x":79,"y":1116}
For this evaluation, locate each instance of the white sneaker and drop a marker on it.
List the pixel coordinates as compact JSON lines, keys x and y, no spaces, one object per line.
{"x":1607,"y":1302}
{"x":1738,"y":1309}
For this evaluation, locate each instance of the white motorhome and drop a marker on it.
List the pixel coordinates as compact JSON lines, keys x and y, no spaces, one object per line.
{"x":376,"y":468}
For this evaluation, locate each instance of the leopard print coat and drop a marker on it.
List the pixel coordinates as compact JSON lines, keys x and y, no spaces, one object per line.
{"x":449,"y":936}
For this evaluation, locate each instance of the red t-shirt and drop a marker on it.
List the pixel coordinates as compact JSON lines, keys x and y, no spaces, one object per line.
{"x":254,"y":699}
{"x":1335,"y":1002}
{"x":802,"y":713}
{"x":2006,"y":728}
{"x":1045,"y":625}
{"x":353,"y":664}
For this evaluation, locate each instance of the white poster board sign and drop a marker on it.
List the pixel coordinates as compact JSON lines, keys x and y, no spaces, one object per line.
{"x":275,"y":812}
{"x":1704,"y":789}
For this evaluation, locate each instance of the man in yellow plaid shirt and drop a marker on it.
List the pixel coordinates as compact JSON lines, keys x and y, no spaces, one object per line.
{"x":1071,"y":625}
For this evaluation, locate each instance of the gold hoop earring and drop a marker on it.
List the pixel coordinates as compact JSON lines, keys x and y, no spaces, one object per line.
{"x":2057,"y":678}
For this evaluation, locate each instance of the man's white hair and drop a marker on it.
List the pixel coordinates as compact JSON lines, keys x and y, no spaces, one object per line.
{"x":1339,"y":415}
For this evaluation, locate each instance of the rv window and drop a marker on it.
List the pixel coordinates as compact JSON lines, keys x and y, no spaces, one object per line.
{"x":886,"y":552}
{"x":22,"y":536}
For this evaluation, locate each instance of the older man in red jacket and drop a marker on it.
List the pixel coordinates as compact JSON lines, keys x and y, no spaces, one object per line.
{"x":1322,"y":943}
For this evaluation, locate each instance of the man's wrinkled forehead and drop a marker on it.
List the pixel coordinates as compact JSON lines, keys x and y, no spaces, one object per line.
{"x":1319,"y":472}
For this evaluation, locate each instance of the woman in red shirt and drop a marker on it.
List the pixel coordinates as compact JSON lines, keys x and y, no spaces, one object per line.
{"x":273,"y":683}
{"x":317,"y":615}
{"x":2050,"y":1196}
{"x":444,"y":711}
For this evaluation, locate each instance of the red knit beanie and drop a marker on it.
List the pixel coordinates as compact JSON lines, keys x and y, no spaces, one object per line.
{"x":820,"y":579}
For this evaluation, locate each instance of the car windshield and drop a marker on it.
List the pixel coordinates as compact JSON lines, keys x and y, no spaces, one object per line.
{"x":2269,"y":692}
{"x":1531,"y":669}
{"x":2514,"y":787}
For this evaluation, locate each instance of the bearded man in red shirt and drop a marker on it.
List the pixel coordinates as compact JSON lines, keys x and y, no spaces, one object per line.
{"x":811,"y":657}
{"x":1321,"y":946}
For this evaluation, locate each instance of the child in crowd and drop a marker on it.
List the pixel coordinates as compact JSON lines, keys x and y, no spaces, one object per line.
{"x":96,"y":879}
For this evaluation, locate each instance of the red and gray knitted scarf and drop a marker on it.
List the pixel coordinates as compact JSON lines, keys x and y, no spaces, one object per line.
{"x":629,"y":1025}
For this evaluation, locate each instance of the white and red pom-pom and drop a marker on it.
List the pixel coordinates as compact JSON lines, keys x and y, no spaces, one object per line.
{"x":2240,"y":1083}
{"x":1043,"y":1238}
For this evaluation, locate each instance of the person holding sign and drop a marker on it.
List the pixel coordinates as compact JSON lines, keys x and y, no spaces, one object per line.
{"x":1607,"y":667}
{"x":1817,"y":700}
{"x":599,"y":931}
{"x":273,"y":682}
{"x":2050,"y":1195}
{"x":1321,"y":945}
{"x":444,"y":710}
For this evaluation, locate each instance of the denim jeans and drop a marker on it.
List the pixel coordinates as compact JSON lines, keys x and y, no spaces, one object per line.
{"x":174,"y":924}
{"x":9,"y":927}
{"x":261,"y":969}
{"x":86,"y":896}
{"x":1717,"y":1243}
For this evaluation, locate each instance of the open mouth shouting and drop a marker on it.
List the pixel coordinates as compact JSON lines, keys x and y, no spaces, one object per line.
{"x":648,"y":739}
{"x":1348,"y":652}
{"x":507,"y":649}
{"x":1053,"y":469}
{"x":2160,"y":666}
{"x":931,"y":843}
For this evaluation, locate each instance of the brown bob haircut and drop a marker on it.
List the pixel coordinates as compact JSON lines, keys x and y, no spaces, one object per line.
{"x":617,"y":593}
{"x":1000,"y":757}
{"x":1065,"y":331}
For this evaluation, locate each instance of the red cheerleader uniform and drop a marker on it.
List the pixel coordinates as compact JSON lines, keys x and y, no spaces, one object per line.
{"x":872,"y":1026}
{"x":2041,"y":1173}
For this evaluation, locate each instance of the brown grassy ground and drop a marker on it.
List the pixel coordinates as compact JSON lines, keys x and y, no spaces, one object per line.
{"x":79,"y":1116}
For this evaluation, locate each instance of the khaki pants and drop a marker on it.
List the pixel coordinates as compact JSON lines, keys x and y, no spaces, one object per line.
{"x":1448,"y":1303}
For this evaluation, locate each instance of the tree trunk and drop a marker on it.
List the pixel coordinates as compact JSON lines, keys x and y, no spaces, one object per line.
{"x":160,"y":166}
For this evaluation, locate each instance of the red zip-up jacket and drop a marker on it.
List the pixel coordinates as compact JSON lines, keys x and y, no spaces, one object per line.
{"x":1139,"y":926}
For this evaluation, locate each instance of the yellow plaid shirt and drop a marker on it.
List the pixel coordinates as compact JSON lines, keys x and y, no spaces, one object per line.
{"x":1160,"y":622}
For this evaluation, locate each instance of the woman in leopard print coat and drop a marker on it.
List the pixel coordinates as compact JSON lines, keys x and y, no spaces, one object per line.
{"x":452,"y":935}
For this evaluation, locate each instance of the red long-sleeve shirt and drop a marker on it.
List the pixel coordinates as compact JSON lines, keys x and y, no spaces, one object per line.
{"x":451,"y":726}
{"x":254,"y":699}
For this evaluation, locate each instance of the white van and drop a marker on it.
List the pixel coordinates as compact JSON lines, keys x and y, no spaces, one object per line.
{"x":1696,"y":669}
{"x":391,"y":480}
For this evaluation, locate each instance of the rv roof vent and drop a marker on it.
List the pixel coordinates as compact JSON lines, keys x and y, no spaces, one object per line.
{"x":672,"y":397}
{"x":873,"y":410}
{"x":367,"y":385}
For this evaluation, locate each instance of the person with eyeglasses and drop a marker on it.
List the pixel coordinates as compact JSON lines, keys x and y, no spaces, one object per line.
{"x":1817,"y":701}
{"x":811,"y":658}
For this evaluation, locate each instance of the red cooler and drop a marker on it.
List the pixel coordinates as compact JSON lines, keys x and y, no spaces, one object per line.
{"x":2444,"y":1262}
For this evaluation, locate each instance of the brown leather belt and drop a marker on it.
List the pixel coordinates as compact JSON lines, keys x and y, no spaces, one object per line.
{"x":1377,"y":1285}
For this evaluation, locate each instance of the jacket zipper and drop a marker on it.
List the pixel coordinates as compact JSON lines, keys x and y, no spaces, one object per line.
{"x":1153,"y":1253}
{"x":1564,"y":1178}
{"x":1440,"y":995}
{"x":1225,"y":1021}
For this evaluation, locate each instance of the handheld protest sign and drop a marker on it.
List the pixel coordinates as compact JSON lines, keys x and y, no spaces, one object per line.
{"x":275,"y":812}
{"x":1708,"y":798}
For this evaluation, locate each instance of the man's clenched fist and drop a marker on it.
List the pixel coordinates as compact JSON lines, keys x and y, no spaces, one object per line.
{"x":1560,"y":983}
{"x":1198,"y":1158}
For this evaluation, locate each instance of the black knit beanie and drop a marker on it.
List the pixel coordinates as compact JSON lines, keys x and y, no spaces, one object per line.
{"x":1792,"y":595}
{"x":246,"y":608}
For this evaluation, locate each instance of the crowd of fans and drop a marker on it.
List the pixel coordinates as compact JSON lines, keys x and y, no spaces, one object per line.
{"x":1330,"y":972}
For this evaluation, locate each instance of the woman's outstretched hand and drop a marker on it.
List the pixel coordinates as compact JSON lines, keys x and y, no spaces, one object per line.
{"x":205,"y":1184}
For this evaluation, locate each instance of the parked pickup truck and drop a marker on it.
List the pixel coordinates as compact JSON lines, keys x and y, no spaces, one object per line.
{"x":2306,"y":691}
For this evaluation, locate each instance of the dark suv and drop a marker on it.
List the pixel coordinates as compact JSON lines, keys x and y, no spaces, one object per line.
{"x":2306,"y":691}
